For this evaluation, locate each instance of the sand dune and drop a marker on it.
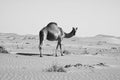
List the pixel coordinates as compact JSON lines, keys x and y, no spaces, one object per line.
{"x":93,"y":58}
{"x":18,"y":67}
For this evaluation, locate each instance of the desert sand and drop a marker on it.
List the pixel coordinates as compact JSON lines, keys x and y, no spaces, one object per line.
{"x":88,"y":58}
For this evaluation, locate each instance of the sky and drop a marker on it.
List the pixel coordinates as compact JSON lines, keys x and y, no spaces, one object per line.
{"x":92,"y":17}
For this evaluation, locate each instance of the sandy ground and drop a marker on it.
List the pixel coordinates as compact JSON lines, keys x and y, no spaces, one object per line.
{"x":96,"y":58}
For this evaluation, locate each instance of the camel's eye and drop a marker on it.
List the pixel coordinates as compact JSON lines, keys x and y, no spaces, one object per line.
{"x":76,"y":28}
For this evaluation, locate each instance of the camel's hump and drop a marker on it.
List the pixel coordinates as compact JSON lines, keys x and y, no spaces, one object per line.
{"x":52,"y":27}
{"x":52,"y":23}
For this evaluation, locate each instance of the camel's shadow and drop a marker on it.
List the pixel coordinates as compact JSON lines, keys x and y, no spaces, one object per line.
{"x":33,"y":54}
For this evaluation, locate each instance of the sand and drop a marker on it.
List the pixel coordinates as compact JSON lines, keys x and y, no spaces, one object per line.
{"x":84,"y":59}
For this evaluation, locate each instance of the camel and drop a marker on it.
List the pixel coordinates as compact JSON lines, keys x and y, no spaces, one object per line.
{"x":54,"y":33}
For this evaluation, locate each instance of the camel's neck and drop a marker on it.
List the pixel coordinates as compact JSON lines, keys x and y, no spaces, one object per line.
{"x":69,"y":35}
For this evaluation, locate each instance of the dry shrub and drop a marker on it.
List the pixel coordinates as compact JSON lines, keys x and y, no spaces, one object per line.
{"x":48,"y":45}
{"x":115,"y":48}
{"x":3,"y":50}
{"x":85,"y":51}
{"x":55,"y":68}
{"x":27,"y":43}
{"x":101,"y":42}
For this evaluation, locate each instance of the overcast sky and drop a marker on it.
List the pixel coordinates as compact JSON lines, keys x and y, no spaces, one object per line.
{"x":92,"y":17}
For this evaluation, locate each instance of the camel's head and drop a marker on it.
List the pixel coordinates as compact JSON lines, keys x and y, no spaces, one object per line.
{"x":74,"y":30}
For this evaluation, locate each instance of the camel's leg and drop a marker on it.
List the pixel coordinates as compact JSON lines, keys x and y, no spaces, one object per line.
{"x":41,"y":38}
{"x":59,"y":44}
{"x":61,"y":49}
{"x":56,"y":49}
{"x":40,"y":49}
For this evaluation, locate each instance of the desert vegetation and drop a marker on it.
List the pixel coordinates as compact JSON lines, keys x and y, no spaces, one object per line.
{"x":3,"y":50}
{"x":55,"y":68}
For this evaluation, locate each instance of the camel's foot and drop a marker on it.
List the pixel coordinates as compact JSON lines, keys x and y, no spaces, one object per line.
{"x":56,"y":55}
{"x":62,"y":55}
{"x":41,"y":56}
